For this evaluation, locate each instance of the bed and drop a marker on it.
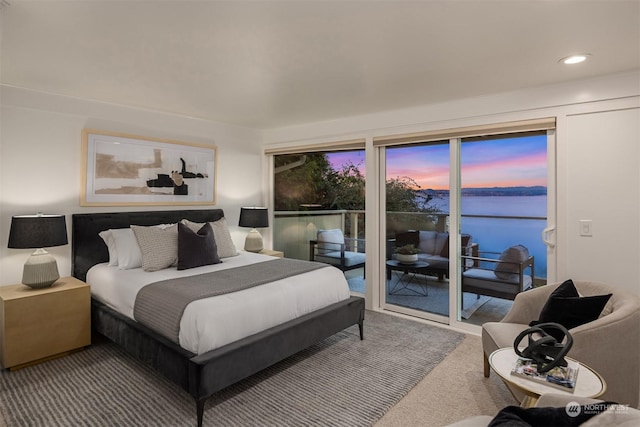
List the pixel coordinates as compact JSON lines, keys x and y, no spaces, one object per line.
{"x":208,"y":372}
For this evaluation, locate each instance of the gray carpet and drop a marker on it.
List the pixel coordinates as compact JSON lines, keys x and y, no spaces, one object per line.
{"x":341,"y":381}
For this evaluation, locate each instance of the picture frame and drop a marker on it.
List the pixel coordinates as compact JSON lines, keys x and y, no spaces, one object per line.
{"x":131,"y":170}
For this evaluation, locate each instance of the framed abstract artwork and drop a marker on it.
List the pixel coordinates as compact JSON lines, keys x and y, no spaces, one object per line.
{"x":130,"y":170}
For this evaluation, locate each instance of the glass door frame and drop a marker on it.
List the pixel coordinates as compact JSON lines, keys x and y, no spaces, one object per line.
{"x":380,"y":153}
{"x":548,"y":235}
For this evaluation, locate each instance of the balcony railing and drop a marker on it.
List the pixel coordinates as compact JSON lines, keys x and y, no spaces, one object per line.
{"x":294,"y":229}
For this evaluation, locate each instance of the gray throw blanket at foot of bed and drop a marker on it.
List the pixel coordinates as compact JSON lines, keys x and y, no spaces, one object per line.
{"x":160,"y":305}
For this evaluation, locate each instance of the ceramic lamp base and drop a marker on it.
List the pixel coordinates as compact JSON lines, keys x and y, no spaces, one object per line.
{"x":253,"y":242}
{"x":40,"y":270}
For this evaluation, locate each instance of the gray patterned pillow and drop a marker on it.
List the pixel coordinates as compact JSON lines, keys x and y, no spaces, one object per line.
{"x":226,"y":248}
{"x":159,"y":246}
{"x":508,"y":265}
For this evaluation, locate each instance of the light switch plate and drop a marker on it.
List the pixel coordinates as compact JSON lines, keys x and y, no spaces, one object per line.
{"x":585,"y":228}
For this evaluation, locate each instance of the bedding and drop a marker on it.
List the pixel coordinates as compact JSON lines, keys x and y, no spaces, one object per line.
{"x":213,"y":322}
{"x":140,"y":246}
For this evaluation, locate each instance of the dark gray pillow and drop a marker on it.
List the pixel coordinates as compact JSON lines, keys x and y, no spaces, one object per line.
{"x":411,"y":237}
{"x":196,"y":249}
{"x":507,"y":267}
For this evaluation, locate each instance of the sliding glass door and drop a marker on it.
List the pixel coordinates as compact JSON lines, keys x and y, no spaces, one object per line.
{"x":503,"y":210}
{"x":417,"y":212}
{"x":471,"y":212}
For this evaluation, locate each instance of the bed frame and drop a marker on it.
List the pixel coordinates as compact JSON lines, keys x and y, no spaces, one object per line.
{"x":205,"y":374}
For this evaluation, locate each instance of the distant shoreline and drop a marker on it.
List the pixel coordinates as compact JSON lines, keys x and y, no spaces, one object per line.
{"x":492,"y":191}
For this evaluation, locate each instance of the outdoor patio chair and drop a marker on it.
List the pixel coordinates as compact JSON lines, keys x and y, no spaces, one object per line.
{"x":333,"y":248}
{"x":502,"y":276}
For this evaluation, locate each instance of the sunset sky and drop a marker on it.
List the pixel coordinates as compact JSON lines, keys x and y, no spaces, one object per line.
{"x":496,"y":163}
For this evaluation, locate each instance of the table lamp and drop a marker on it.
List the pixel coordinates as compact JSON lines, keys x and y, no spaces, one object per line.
{"x":254,"y":217}
{"x":38,"y":232}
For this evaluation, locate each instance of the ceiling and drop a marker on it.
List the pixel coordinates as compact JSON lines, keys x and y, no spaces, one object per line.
{"x":267,"y":64}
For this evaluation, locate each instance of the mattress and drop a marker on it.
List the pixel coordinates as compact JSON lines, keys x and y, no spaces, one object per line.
{"x":214,"y":322}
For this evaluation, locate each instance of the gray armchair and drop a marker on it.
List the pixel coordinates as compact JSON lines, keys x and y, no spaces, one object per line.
{"x":610,"y":344}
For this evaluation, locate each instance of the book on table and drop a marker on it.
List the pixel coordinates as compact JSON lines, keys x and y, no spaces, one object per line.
{"x":561,"y":377}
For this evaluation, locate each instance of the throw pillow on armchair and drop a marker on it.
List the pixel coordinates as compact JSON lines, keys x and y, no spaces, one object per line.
{"x":566,"y":307}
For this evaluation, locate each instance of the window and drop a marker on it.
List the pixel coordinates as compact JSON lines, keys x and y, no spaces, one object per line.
{"x":321,"y":190}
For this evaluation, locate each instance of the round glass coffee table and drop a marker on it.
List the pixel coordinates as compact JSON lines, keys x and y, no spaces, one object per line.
{"x":588,"y":384}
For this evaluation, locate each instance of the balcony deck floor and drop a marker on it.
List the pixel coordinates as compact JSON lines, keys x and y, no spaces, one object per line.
{"x":485,"y":309}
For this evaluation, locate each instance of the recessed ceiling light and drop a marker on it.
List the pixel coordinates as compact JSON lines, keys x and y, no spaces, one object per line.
{"x":575,"y":59}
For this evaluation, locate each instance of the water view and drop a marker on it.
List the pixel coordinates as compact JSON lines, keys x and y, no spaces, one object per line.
{"x":496,"y":234}
{"x":503,"y":180}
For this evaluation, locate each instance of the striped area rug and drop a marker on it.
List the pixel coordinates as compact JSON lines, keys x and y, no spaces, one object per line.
{"x":341,"y":381}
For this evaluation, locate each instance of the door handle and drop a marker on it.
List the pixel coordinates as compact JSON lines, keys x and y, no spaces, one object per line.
{"x":547,"y":235}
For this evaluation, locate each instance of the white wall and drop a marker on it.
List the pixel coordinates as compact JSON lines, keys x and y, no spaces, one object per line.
{"x":602,"y":175}
{"x":40,"y":161}
{"x":597,"y":164}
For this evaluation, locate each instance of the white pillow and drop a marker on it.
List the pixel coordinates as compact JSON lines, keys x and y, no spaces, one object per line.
{"x":221,"y":233}
{"x":158,"y":246}
{"x":330,"y":240}
{"x":129,"y":255}
{"x":111,"y":247}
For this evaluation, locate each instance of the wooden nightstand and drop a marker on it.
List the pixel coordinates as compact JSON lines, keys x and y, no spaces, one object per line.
{"x":269,"y":252}
{"x":39,"y":324}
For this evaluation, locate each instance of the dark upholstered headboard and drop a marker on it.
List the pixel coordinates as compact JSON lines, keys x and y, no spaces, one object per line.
{"x":88,"y":249}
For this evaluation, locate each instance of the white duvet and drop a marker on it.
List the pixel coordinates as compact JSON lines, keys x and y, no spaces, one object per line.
{"x":213,"y":322}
